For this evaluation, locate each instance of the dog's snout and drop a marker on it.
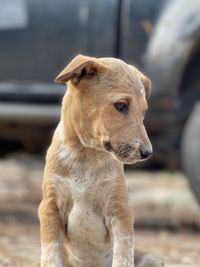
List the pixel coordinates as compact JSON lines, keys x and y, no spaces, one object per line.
{"x":146,"y":153}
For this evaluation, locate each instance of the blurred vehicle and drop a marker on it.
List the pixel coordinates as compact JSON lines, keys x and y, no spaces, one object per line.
{"x":162,"y":38}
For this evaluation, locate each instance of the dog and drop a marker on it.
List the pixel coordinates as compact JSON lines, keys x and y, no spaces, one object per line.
{"x":85,"y":218}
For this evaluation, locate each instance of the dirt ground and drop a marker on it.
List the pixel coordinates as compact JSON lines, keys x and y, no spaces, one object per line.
{"x":167,"y":215}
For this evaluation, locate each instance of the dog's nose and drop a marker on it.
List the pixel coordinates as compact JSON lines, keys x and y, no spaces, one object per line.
{"x":146,"y":153}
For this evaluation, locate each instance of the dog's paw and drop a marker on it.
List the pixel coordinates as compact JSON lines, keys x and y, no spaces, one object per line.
{"x":152,"y":260}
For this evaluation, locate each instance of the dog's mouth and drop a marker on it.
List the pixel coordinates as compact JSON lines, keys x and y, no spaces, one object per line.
{"x":108,"y":147}
{"x":125,"y":153}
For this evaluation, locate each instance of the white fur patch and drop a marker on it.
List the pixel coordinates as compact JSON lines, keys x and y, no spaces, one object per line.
{"x":83,"y":169}
{"x":51,"y":255}
{"x":65,"y":155}
{"x":142,"y":91}
{"x":123,"y":251}
{"x":60,"y":130}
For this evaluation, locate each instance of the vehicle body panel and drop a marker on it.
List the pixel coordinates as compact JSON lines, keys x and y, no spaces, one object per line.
{"x":158,"y":37}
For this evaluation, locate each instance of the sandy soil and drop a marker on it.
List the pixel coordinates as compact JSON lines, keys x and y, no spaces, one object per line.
{"x":167,"y":215}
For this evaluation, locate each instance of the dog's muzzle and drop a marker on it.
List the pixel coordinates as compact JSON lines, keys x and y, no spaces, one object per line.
{"x":128,"y":153}
{"x":107,"y":145}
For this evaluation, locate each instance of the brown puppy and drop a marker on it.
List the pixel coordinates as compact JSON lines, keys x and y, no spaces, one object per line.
{"x":84,"y":215}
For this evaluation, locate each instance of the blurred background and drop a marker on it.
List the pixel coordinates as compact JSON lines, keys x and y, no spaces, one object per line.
{"x":162,"y":38}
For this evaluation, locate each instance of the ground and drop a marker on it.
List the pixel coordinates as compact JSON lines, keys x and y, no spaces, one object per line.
{"x":167,"y":215}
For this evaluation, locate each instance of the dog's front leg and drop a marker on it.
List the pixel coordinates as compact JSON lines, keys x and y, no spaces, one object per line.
{"x":121,"y":231}
{"x":52,"y":232}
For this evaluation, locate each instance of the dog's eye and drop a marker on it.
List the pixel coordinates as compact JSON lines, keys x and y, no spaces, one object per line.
{"x":121,"y":107}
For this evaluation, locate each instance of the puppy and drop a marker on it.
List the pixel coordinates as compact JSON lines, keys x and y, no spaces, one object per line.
{"x":84,"y":216}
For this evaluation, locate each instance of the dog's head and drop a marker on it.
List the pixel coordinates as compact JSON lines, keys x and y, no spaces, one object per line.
{"x":108,"y":101}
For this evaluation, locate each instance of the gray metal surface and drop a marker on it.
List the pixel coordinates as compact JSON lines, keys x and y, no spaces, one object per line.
{"x":31,"y":113}
{"x":13,"y":14}
{"x":31,"y":92}
{"x":170,"y":47}
{"x":190,"y":150}
{"x":55,"y":32}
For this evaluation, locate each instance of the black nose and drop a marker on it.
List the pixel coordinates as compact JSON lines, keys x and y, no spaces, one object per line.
{"x":145,"y":153}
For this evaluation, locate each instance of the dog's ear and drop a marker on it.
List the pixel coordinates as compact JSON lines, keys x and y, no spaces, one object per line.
{"x":145,"y":80}
{"x":147,"y":85}
{"x":80,"y":67}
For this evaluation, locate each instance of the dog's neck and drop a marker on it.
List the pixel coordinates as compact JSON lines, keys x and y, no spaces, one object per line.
{"x":75,"y":157}
{"x":72,"y":151}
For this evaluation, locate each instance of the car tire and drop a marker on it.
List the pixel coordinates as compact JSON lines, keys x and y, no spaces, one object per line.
{"x":190,"y":150}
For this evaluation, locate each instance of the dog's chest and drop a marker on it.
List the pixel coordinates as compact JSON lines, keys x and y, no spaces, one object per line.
{"x":86,"y":230}
{"x":85,"y":220}
{"x":85,"y":226}
{"x":83,"y":211}
{"x":88,"y":242}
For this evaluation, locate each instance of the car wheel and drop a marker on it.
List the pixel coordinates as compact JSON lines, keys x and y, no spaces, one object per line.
{"x":190,"y":150}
